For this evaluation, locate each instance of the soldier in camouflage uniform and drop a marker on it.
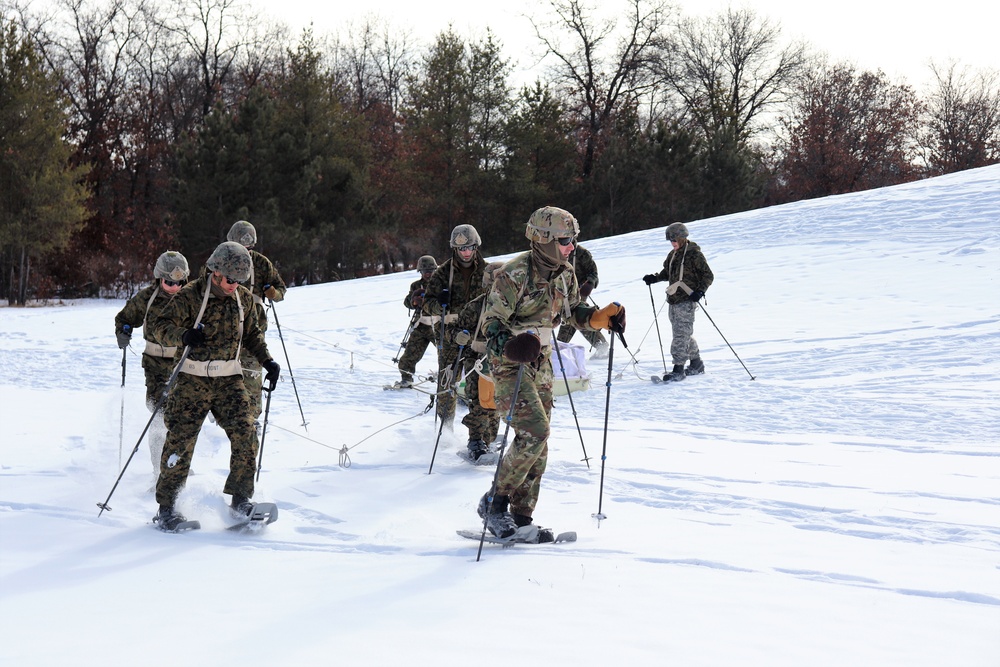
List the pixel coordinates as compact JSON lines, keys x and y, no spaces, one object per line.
{"x":689,"y":275}
{"x":530,"y":294}
{"x":483,"y":422}
{"x":171,"y":272}
{"x":264,"y":281}
{"x":585,"y":269}
{"x":454,"y":283}
{"x":422,"y":329}
{"x":214,"y":318}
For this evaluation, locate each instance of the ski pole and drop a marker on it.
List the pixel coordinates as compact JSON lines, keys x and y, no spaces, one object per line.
{"x":503,"y":445}
{"x":569,"y":394}
{"x":607,"y":409}
{"x":159,"y":404}
{"x":454,"y":369}
{"x":288,"y":363}
{"x":406,"y":336}
{"x":263,"y":430}
{"x":652,"y":302}
{"x":121,"y":417}
{"x":727,"y":342}
{"x":444,"y":312}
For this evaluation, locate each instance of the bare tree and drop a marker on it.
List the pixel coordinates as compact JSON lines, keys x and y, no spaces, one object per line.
{"x":848,"y":131}
{"x":226,"y":44}
{"x":599,"y":66}
{"x":962,"y":130}
{"x":729,"y":69}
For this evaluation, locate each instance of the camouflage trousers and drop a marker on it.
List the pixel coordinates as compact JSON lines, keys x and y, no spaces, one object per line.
{"x":520,"y":474}
{"x":683,"y":346}
{"x":191,"y":399}
{"x":157,"y":371}
{"x":253,"y":378}
{"x":421,"y":336}
{"x":483,"y":423}
{"x":446,"y":400}
{"x":595,"y":338}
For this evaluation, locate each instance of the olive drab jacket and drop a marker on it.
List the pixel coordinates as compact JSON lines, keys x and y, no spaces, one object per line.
{"x":462,"y":287}
{"x":145,"y":305}
{"x":221,"y":323}
{"x":263,"y":273}
{"x":521,"y":299}
{"x":584,"y":266}
{"x":688,"y":267}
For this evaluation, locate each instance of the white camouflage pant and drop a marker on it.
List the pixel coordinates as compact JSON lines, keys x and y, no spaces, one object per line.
{"x":683,"y":346}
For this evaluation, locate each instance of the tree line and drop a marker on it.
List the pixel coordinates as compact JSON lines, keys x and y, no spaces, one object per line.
{"x":129,"y":127}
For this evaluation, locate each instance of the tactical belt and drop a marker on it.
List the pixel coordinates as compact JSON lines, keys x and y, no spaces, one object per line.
{"x":157,"y":350}
{"x":212,"y":368}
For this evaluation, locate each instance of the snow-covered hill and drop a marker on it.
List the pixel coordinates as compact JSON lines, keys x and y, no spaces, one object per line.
{"x":842,"y":508}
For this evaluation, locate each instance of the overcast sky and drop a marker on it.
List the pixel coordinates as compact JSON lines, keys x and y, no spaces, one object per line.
{"x":898,"y":37}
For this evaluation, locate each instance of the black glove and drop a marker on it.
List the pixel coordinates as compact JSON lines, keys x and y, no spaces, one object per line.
{"x":523,"y":348}
{"x":650,"y":278}
{"x":696,"y":295}
{"x":273,"y":371}
{"x":585,"y":289}
{"x":443,"y":298}
{"x":193,"y":337}
{"x":124,"y":336}
{"x":617,"y":322}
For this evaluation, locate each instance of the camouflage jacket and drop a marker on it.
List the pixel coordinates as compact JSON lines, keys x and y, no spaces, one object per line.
{"x":521,"y":299}
{"x":468,"y":318}
{"x":462,"y":289}
{"x":220,"y":321}
{"x":416,"y":287}
{"x":262,"y":273}
{"x":687,"y":263}
{"x":134,"y":313}
{"x":584,"y":266}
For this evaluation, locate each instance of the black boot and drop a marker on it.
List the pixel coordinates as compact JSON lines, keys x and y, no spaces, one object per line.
{"x":499,"y":521}
{"x":696,"y":367}
{"x":167,"y":518}
{"x":477,"y":448}
{"x":240,"y":507}
{"x":675,"y":375}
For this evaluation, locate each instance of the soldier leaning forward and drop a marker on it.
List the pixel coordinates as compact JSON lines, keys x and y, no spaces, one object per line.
{"x":264,"y":281}
{"x":529,"y":296}
{"x":455,"y":283}
{"x":213,"y":318}
{"x":421,"y":332}
{"x":171,"y":272}
{"x":482,"y":420}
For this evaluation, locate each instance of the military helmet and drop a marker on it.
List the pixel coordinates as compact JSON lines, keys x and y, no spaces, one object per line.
{"x":171,"y":265}
{"x":232,"y":260}
{"x":464,"y":235}
{"x":488,"y":274}
{"x":676,"y":231}
{"x":243,"y":233}
{"x":549,"y":223}
{"x":426,"y":264}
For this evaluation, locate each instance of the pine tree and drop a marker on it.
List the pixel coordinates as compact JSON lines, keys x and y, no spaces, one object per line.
{"x":41,"y":198}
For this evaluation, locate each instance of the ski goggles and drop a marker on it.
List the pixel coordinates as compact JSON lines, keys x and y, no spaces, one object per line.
{"x":467,"y":248}
{"x":566,"y":240}
{"x":174,"y":283}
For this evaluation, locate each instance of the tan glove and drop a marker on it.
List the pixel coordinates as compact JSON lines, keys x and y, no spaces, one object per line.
{"x":611,"y":314}
{"x":463,"y":337}
{"x":272,"y":293}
